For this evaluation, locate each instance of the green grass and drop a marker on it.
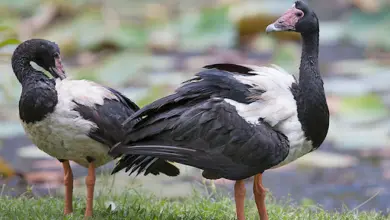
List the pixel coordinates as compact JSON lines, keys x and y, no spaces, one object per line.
{"x":132,"y":205}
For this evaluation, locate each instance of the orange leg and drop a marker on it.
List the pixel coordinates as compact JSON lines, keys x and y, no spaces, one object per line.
{"x":239,"y":196}
{"x":68,"y":182}
{"x":90,"y":182}
{"x":259,"y":191}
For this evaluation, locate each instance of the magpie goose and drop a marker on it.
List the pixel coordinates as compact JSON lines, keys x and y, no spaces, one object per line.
{"x":68,"y":119}
{"x":236,"y":121}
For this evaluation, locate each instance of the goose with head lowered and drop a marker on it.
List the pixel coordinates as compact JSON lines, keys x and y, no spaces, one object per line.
{"x":236,"y":121}
{"x":76,"y":120}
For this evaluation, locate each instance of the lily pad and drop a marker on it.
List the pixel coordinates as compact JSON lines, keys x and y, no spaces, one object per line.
{"x":10,"y":88}
{"x":20,"y":5}
{"x":288,"y":57}
{"x":249,"y":8}
{"x":346,"y":87}
{"x":167,"y":78}
{"x":199,"y":31}
{"x":153,"y":94}
{"x":331,"y":32}
{"x":378,"y":82}
{"x":369,"y":28}
{"x":71,"y":35}
{"x":86,"y":73}
{"x":123,"y":67}
{"x":357,"y":67}
{"x":135,"y":93}
{"x":349,"y":136}
{"x":213,"y":19}
{"x":363,"y":109}
{"x":8,"y":42}
{"x":31,"y":151}
{"x":386,"y":99}
{"x":321,"y":159}
{"x":369,"y":102}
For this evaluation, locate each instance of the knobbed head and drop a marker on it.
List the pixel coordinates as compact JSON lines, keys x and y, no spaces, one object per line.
{"x":300,"y":18}
{"x":44,"y":53}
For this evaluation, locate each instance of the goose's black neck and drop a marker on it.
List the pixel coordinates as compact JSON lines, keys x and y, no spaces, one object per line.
{"x":309,"y":70}
{"x":39,"y":96}
{"x":311,"y":101}
{"x":23,"y":69}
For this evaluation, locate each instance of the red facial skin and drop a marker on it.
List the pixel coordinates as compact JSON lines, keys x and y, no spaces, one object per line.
{"x":287,"y":21}
{"x":59,"y":68}
{"x":289,"y":18}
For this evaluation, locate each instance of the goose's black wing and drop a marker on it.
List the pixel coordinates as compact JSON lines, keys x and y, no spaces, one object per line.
{"x":109,"y":117}
{"x":197,"y":127}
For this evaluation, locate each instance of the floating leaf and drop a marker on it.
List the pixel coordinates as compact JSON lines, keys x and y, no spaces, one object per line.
{"x":362,"y":110}
{"x":20,"y":5}
{"x":200,"y":31}
{"x":365,"y":102}
{"x":135,"y":93}
{"x":72,"y":37}
{"x":167,"y":78}
{"x":326,"y":160}
{"x":357,"y":67}
{"x":5,"y":28}
{"x":213,"y":19}
{"x":129,"y":36}
{"x":369,"y":28}
{"x":378,"y":82}
{"x":288,"y":56}
{"x":8,"y":42}
{"x":153,"y":94}
{"x":331,"y":32}
{"x":349,"y":135}
{"x":346,"y":87}
{"x":123,"y":67}
{"x":31,"y":151}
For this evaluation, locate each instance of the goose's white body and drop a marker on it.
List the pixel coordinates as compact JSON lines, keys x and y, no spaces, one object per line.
{"x":276,"y":106}
{"x":63,"y":134}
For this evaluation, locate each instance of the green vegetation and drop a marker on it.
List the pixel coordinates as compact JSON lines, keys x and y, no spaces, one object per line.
{"x":133,"y":205}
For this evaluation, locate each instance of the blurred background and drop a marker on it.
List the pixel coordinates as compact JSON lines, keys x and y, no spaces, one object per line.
{"x":146,"y":48}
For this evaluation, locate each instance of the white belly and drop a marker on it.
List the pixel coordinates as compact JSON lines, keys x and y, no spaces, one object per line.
{"x":63,"y":134}
{"x":299,"y":146}
{"x":66,"y":138}
{"x":296,"y":151}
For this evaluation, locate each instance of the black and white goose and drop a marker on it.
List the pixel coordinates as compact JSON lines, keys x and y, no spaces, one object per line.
{"x":75,"y":120}
{"x":236,"y":121}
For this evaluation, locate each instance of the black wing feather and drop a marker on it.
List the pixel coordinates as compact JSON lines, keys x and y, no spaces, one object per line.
{"x":205,"y":84}
{"x":234,"y":68}
{"x":109,"y":118}
{"x":206,"y":132}
{"x":124,"y":100}
{"x":234,"y":152}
